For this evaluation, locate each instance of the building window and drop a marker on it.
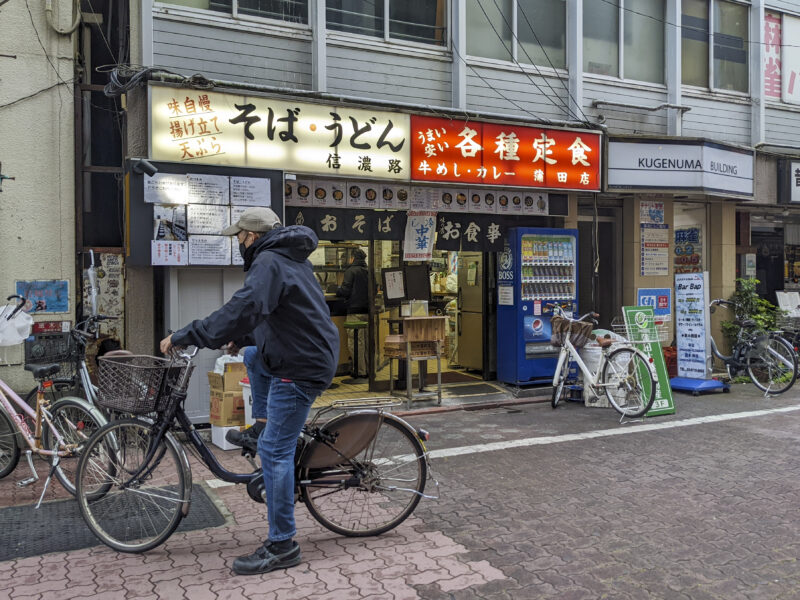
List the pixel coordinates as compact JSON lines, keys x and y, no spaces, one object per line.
{"x":539,"y":37}
{"x":293,"y":11}
{"x":625,"y":39}
{"x":421,"y":21}
{"x":729,"y":23}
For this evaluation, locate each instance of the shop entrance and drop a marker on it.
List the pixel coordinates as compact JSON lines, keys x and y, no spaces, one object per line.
{"x":599,"y":245}
{"x":770,"y":267}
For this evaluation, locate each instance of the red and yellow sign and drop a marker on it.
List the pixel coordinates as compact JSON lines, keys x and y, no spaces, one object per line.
{"x":475,"y":152}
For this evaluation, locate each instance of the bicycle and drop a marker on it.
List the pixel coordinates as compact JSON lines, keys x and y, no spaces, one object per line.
{"x":624,"y":374}
{"x":361,"y":473}
{"x":768,"y":358}
{"x":59,"y":430}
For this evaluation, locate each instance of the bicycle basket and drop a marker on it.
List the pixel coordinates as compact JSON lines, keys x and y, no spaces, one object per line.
{"x":133,"y":384}
{"x":580,"y":331}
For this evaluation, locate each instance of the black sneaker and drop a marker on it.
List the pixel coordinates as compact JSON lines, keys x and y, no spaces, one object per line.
{"x":264,"y":560}
{"x":247,"y":439}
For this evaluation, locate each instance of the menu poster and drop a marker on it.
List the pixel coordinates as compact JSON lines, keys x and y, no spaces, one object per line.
{"x":504,"y":202}
{"x":655,"y":249}
{"x":420,"y":227}
{"x":395,"y":288}
{"x":209,"y":189}
{"x":322,"y":194}
{"x":692,"y":324}
{"x":169,"y":222}
{"x":424,"y":198}
{"x":289,"y":192}
{"x":207,"y":218}
{"x":388,"y":197}
{"x":251,"y":191}
{"x":166,"y":188}
{"x":516,"y":202}
{"x":489,"y":204}
{"x":303,"y":195}
{"x":338,"y":194}
{"x":171,"y":254}
{"x":535,"y":204}
{"x":209,"y":250}
{"x":236,"y":213}
{"x":355,"y":195}
{"x":236,"y":256}
{"x":371,"y":198}
{"x":403,"y":197}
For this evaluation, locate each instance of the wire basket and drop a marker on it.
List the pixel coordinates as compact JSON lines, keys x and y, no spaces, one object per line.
{"x":646,"y":330}
{"x":580,"y":332}
{"x":134,"y":384}
{"x":48,"y":348}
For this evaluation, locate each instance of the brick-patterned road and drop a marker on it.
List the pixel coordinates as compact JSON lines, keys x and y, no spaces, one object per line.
{"x":707,"y":510}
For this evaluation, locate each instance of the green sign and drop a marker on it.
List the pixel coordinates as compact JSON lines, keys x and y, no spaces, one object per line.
{"x":642,"y":332}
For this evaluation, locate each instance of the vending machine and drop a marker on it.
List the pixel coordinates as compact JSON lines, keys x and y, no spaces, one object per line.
{"x":539,"y":267}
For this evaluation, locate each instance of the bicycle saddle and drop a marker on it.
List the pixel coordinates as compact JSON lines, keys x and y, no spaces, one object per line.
{"x":745,"y":324}
{"x":42,"y":371}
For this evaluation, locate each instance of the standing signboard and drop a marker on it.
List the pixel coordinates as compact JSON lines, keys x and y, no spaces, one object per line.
{"x":692,"y":330}
{"x":640,"y":323}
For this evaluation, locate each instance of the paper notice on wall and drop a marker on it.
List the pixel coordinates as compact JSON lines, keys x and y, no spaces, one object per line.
{"x":207,"y":218}
{"x":208,"y":189}
{"x":209,"y":250}
{"x":420,"y":227}
{"x":424,"y":198}
{"x":251,"y":191}
{"x":166,"y":188}
{"x":169,"y":254}
{"x":169,"y":222}
{"x":505,"y":295}
{"x":651,"y":211}
{"x":236,"y":213}
{"x":654,"y":249}
{"x":395,"y":288}
{"x":236,"y":256}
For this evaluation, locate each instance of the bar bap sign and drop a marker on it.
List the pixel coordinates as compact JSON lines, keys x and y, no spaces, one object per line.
{"x":662,"y":164}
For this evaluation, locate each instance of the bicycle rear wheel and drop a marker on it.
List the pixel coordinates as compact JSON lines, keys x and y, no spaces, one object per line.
{"x":127,"y":513}
{"x":772,"y":365}
{"x":76,"y":421}
{"x":9,"y":450}
{"x":628,"y":382}
{"x":380,"y":492}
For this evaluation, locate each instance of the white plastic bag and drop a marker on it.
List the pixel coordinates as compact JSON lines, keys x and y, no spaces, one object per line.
{"x":14,"y":329}
{"x":219,"y":365}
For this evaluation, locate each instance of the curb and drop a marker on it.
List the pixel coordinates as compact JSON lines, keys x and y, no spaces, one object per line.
{"x":472,"y":407}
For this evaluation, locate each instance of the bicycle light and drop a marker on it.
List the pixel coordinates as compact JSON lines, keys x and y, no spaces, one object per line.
{"x":423,"y":435}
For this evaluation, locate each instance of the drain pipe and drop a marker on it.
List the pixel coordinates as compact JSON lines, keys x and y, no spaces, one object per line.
{"x":48,"y":10}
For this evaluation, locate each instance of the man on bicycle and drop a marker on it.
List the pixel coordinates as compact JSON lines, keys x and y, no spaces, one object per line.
{"x":282,"y":309}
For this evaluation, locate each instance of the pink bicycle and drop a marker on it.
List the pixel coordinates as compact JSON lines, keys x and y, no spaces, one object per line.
{"x":58,"y":430}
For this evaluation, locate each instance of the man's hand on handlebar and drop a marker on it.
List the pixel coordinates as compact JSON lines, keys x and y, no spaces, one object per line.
{"x":166,"y":344}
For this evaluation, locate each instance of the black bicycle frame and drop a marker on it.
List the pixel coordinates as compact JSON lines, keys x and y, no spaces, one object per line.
{"x":208,"y":457}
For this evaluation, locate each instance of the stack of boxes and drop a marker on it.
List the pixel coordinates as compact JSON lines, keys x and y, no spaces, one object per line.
{"x":227,"y":403}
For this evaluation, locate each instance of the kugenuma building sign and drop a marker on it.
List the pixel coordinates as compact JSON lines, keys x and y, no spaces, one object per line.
{"x":698,"y":166}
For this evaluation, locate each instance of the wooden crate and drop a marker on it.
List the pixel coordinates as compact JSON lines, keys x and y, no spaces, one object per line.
{"x":424,"y":329}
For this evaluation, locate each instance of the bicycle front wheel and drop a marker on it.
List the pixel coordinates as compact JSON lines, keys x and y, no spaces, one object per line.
{"x":628,"y":382}
{"x":560,"y":380}
{"x":772,"y":365}
{"x":75,"y":421}
{"x":129,"y":504}
{"x":378,"y":491}
{"x":9,"y":449}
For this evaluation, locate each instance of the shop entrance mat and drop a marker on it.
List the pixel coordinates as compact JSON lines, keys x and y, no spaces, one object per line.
{"x":58,"y":526}
{"x":471,"y":390}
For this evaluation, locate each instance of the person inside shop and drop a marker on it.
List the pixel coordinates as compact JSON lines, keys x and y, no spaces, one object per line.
{"x":282,"y":310}
{"x":355,"y":291}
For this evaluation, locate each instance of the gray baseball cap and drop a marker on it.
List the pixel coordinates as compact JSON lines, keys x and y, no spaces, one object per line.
{"x":258,"y":219}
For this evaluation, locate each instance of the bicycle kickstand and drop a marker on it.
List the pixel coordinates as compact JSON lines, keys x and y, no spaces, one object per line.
{"x":34,"y":475}
{"x":56,"y":460}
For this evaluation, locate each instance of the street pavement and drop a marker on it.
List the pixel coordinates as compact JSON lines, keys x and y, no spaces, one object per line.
{"x":535,"y":503}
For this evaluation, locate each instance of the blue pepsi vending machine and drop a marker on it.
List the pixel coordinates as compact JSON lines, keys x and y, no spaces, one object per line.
{"x":537,"y":268}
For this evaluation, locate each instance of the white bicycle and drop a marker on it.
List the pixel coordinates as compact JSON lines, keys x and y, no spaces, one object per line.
{"x":624,"y":374}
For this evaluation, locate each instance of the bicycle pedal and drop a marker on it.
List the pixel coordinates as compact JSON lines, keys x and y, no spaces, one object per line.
{"x":26,"y":482}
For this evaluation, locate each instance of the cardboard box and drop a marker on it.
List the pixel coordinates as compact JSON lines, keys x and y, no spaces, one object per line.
{"x":226,"y":408}
{"x":229,"y":381}
{"x":218,"y":437}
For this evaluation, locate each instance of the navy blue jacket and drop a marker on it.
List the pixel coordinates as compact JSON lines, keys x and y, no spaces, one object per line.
{"x":282,"y":307}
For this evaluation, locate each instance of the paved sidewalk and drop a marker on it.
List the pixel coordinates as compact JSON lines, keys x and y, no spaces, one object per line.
{"x":575,"y":520}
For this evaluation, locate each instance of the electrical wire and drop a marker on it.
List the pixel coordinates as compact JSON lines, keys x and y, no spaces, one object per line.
{"x":550,"y":62}
{"x":563,"y":105}
{"x":499,"y":37}
{"x":36,"y":93}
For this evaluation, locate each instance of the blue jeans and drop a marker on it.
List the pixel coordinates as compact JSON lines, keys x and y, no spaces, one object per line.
{"x":288,"y":406}
{"x":260,"y":381}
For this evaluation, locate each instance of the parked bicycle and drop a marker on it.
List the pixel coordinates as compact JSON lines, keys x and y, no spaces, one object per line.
{"x":59,"y":433}
{"x":768,"y":358}
{"x":361,"y":473}
{"x":625,"y":374}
